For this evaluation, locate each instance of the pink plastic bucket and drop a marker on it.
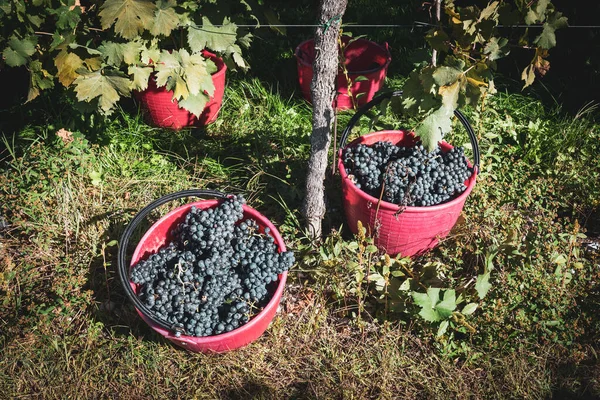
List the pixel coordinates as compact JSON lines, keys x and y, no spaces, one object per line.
{"x":158,"y":236}
{"x":162,"y":111}
{"x":408,"y":231}
{"x":362,"y":57}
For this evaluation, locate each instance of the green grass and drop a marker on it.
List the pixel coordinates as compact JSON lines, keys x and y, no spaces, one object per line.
{"x":69,"y":331}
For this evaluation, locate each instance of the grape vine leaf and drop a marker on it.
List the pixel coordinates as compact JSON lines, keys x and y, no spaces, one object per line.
{"x":184,"y":73}
{"x":197,"y":73}
{"x":165,"y":18}
{"x":112,"y":52}
{"x":445,"y":75}
{"x":507,"y":15}
{"x":438,"y":39}
{"x":528,"y":75}
{"x":538,"y":13}
{"x":434,"y":127}
{"x":130,"y":17}
{"x":432,"y":309}
{"x":93,"y":63}
{"x":419,"y":93}
{"x":212,"y":37}
{"x":40,"y":80}
{"x":68,"y":18}
{"x":450,"y":93}
{"x":107,"y":86}
{"x":496,"y":48}
{"x":490,"y":12}
{"x":149,"y":55}
{"x":167,"y":69}
{"x":131,"y":52}
{"x":67,"y":64}
{"x":547,"y":39}
{"x":141,"y":76}
{"x":19,"y":50}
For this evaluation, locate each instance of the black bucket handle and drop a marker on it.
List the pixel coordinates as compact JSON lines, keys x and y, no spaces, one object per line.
{"x":388,"y":95}
{"x":122,"y":266}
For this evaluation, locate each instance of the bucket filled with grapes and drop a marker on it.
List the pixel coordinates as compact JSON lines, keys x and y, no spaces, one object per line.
{"x":209,"y":275}
{"x":407,"y":197}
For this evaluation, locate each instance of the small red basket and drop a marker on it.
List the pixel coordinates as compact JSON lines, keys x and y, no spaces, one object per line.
{"x":164,"y":112}
{"x":158,"y":236}
{"x":362,"y":57}
{"x":404,"y":230}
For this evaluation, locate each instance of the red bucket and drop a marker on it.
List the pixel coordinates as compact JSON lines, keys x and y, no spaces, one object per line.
{"x":164,"y":112}
{"x":362,"y":58}
{"x":408,"y":231}
{"x":158,"y":236}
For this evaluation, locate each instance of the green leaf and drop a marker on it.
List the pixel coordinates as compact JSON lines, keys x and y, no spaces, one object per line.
{"x":141,"y":76}
{"x":196,"y":73}
{"x":434,"y":126}
{"x":112,"y":53}
{"x":446,"y":306}
{"x":405,"y":286}
{"x":469,"y":309}
{"x":212,"y":37}
{"x":67,"y":64}
{"x":431,"y":308}
{"x":482,"y":285}
{"x":168,"y":69}
{"x":538,"y":13}
{"x":67,"y":18}
{"x":445,"y":75}
{"x":19,"y":50}
{"x":496,"y":48}
{"x":371,"y":249}
{"x":195,"y":103}
{"x":40,"y":80}
{"x":489,"y":12}
{"x":360,"y":78}
{"x":131,"y":52}
{"x":547,"y":39}
{"x":427,"y":302}
{"x":443,"y":328}
{"x":107,"y":86}
{"x":507,"y":15}
{"x":165,"y":19}
{"x":130,"y":17}
{"x":150,"y":55}
{"x":438,"y":39}
{"x":96,"y":177}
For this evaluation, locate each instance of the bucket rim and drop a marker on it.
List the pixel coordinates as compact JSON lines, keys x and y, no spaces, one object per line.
{"x":256,"y":319}
{"x":385,"y":205}
{"x":388,"y":58}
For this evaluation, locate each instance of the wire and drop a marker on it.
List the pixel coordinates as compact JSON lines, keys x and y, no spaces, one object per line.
{"x":418,"y":24}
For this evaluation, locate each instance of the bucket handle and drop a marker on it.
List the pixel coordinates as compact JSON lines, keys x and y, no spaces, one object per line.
{"x":388,"y":95}
{"x":122,"y":266}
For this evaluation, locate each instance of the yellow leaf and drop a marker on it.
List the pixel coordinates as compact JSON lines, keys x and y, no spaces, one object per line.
{"x":476,"y":82}
{"x":67,"y":63}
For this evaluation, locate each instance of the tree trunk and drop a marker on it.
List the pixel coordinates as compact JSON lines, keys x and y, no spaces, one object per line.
{"x":325,"y":68}
{"x":438,"y":6}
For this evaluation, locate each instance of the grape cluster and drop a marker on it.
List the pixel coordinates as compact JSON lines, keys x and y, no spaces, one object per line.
{"x":410,"y":176}
{"x":216,"y":272}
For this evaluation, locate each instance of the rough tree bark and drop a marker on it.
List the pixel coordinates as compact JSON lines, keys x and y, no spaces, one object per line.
{"x":325,"y":67}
